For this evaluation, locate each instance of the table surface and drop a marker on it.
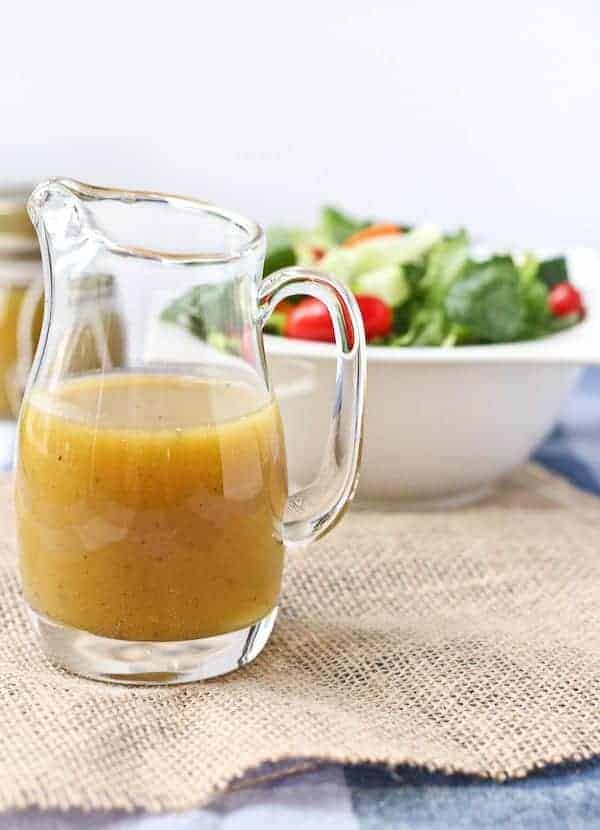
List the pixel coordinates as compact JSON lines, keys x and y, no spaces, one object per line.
{"x":338,"y":798}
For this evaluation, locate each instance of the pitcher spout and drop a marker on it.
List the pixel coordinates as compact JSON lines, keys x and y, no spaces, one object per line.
{"x":64,"y":225}
{"x":55,"y":205}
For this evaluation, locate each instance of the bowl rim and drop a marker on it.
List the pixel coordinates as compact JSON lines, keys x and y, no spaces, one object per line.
{"x":579,"y":345}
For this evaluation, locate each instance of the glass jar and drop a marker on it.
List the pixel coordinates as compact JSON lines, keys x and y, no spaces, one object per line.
{"x":21,"y":298}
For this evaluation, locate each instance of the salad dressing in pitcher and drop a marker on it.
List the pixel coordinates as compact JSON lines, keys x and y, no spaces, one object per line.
{"x":149,"y":505}
{"x":151,"y":484}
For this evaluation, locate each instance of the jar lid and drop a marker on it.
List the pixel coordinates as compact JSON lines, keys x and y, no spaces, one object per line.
{"x":17,"y":234}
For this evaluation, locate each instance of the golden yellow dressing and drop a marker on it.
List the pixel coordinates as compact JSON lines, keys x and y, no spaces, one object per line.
{"x":148,"y":505}
{"x":11,"y":301}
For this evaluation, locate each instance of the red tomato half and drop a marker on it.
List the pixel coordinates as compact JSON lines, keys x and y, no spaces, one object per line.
{"x":565,"y":299}
{"x":377,"y":316}
{"x":284,"y":307}
{"x":309,"y":320}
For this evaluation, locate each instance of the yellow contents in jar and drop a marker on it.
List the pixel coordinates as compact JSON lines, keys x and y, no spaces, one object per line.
{"x":11,"y":302}
{"x":148,"y":506}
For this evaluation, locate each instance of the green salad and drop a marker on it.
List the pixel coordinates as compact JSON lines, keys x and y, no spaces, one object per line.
{"x":419,"y":286}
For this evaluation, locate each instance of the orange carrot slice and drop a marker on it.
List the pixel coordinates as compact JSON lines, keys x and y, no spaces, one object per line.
{"x":370,"y":233}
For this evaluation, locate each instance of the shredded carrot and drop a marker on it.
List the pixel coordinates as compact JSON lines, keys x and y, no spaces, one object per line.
{"x":370,"y":233}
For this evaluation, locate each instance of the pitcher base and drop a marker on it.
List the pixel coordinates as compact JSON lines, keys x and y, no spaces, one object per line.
{"x":150,"y":663}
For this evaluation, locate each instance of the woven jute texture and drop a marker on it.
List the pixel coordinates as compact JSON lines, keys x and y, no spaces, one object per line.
{"x":461,"y":641}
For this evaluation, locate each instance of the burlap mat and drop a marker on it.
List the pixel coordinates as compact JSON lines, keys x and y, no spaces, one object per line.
{"x":461,"y":641}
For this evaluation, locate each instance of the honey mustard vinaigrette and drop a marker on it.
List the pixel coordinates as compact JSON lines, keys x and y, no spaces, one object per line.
{"x":151,"y":486}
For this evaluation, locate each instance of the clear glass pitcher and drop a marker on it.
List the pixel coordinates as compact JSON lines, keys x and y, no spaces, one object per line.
{"x":151,"y":486}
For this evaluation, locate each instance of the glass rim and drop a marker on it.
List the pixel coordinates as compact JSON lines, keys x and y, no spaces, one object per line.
{"x":255,"y":234}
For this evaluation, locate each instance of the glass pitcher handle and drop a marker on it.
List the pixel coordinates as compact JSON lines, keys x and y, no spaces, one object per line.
{"x":312,"y":511}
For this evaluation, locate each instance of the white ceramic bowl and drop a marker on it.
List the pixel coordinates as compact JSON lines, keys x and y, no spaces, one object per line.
{"x":442,"y":425}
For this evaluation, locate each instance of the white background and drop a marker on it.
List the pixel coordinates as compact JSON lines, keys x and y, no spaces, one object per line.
{"x":464,"y":112}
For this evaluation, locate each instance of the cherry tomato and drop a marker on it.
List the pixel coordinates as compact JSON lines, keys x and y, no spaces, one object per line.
{"x":317,"y":253}
{"x":284,"y":307}
{"x":377,"y":316}
{"x":565,"y":299}
{"x":309,"y":320}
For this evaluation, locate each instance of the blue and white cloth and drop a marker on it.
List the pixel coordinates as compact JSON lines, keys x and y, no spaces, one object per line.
{"x":337,"y":798}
